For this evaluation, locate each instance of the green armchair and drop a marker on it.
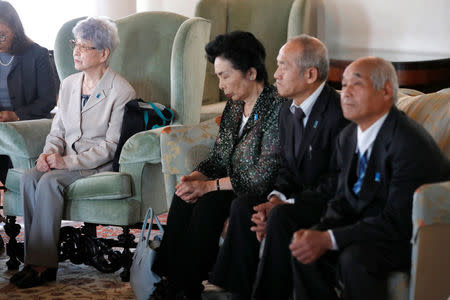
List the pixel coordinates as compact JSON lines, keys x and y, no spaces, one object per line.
{"x":183,"y":147}
{"x":161,"y":55}
{"x":292,"y":18}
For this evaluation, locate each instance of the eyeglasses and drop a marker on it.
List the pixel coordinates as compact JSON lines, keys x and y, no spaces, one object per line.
{"x":83,"y":48}
{"x":3,"y":37}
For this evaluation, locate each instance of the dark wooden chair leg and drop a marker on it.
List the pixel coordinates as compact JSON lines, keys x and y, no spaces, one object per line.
{"x":127,"y":240}
{"x":13,"y":249}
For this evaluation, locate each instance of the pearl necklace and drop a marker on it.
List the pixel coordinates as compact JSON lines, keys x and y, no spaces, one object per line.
{"x":7,"y":64}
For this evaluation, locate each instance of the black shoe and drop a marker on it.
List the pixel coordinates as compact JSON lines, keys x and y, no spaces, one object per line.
{"x":19,"y":275}
{"x":33,"y":278}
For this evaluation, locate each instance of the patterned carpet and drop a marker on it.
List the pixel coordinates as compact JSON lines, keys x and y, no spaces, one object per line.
{"x":80,"y":281}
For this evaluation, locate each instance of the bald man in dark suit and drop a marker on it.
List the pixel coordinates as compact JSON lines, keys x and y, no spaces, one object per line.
{"x":383,"y":157}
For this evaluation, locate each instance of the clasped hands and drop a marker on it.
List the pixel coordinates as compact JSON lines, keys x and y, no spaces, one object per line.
{"x":193,"y":186}
{"x":47,"y":162}
{"x":307,"y":245}
{"x":8,"y":116}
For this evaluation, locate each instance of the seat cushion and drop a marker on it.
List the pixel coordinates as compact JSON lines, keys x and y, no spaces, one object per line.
{"x":104,"y":185}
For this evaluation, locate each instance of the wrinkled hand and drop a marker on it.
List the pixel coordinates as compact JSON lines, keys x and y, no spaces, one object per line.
{"x":260,"y":217}
{"x":191,"y":190}
{"x":308,"y":245}
{"x":8,"y":116}
{"x":41,"y":163}
{"x":55,"y":161}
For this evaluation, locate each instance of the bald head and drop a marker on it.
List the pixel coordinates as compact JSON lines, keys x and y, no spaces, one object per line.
{"x":369,"y":88}
{"x":381,"y":71}
{"x":312,"y":53}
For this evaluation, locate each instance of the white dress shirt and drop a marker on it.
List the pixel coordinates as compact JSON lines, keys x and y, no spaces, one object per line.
{"x":307,"y":107}
{"x":365,"y":140}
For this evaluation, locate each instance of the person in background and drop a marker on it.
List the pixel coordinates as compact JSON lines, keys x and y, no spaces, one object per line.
{"x":244,"y":160}
{"x":27,"y":85}
{"x":81,"y":142}
{"x":383,"y":157}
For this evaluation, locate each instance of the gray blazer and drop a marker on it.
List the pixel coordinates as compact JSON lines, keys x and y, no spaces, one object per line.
{"x":87,"y":138}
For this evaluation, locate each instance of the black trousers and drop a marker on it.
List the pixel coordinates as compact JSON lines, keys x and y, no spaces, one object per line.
{"x":274,"y":276}
{"x":191,"y":240}
{"x":362,"y":268}
{"x":5,"y":165}
{"x":237,"y":260}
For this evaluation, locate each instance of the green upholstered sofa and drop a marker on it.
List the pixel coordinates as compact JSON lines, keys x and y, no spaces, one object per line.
{"x":292,"y":18}
{"x":183,"y":147}
{"x":161,"y":55}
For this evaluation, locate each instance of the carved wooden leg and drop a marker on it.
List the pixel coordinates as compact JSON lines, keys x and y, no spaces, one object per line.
{"x":127,"y":240}
{"x":13,"y":249}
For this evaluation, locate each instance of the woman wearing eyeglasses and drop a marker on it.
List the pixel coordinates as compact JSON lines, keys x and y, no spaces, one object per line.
{"x":27,"y":85}
{"x":81,"y":142}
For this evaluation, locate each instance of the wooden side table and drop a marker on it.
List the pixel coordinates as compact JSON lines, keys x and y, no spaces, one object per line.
{"x":423,"y":72}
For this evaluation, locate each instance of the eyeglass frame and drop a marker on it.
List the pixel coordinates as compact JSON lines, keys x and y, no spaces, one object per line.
{"x":3,"y":38}
{"x":73,"y":44}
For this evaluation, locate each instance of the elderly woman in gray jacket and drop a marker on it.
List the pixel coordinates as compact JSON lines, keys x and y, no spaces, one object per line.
{"x":82,"y":141}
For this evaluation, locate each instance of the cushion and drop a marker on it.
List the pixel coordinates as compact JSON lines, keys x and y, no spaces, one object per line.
{"x":431,"y":111}
{"x":104,"y":185}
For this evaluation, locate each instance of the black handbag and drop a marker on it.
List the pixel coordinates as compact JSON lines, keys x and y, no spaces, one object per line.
{"x":139,"y":116}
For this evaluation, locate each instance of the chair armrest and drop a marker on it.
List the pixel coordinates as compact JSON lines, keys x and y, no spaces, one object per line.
{"x":431,"y":205}
{"x":23,"y":139}
{"x":183,"y":147}
{"x":143,"y":147}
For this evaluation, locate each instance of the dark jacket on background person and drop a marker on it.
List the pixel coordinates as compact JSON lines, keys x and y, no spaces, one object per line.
{"x":31,"y":84}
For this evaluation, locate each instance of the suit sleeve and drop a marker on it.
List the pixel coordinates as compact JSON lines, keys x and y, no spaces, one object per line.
{"x":104,"y":151}
{"x":409,"y":170}
{"x":46,"y":90}
{"x":55,"y":142}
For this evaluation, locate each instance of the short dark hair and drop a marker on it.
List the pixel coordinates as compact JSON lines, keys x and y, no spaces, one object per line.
{"x":9,"y":16}
{"x":242,"y":49}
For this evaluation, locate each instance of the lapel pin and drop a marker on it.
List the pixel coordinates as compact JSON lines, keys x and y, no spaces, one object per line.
{"x":377,"y":177}
{"x":316,"y":123}
{"x":256,"y":117}
{"x":98,"y":95}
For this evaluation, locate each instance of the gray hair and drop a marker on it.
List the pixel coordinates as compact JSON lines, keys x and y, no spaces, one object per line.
{"x":101,"y":31}
{"x":314,"y":55}
{"x":381,"y":72}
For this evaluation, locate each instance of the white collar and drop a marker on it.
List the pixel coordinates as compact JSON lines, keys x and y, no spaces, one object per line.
{"x":367,"y":137}
{"x":309,"y":102}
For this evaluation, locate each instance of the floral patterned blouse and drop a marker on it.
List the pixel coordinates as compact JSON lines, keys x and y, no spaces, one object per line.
{"x":252,"y":159}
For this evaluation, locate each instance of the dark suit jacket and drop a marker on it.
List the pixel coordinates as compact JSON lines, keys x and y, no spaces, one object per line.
{"x":311,"y":177}
{"x":31,"y":84}
{"x":404,"y":156}
{"x":251,"y":160}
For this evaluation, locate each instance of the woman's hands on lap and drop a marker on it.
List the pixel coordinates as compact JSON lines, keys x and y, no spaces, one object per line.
{"x":47,"y":162}
{"x":193,"y":186}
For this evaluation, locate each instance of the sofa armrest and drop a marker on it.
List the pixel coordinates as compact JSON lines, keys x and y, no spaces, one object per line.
{"x":183,"y":147}
{"x":23,"y":140}
{"x":431,"y":205}
{"x":143,"y":147}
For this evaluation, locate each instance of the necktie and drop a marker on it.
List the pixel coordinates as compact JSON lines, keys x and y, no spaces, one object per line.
{"x":298,"y":130}
{"x":362,"y":164}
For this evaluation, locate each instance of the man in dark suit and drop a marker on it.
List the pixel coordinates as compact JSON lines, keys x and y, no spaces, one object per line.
{"x":383,"y":158}
{"x":308,"y":125}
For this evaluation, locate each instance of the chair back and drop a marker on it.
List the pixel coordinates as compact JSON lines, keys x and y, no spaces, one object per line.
{"x":160,"y":54}
{"x":432,"y":111}
{"x":271,"y":21}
